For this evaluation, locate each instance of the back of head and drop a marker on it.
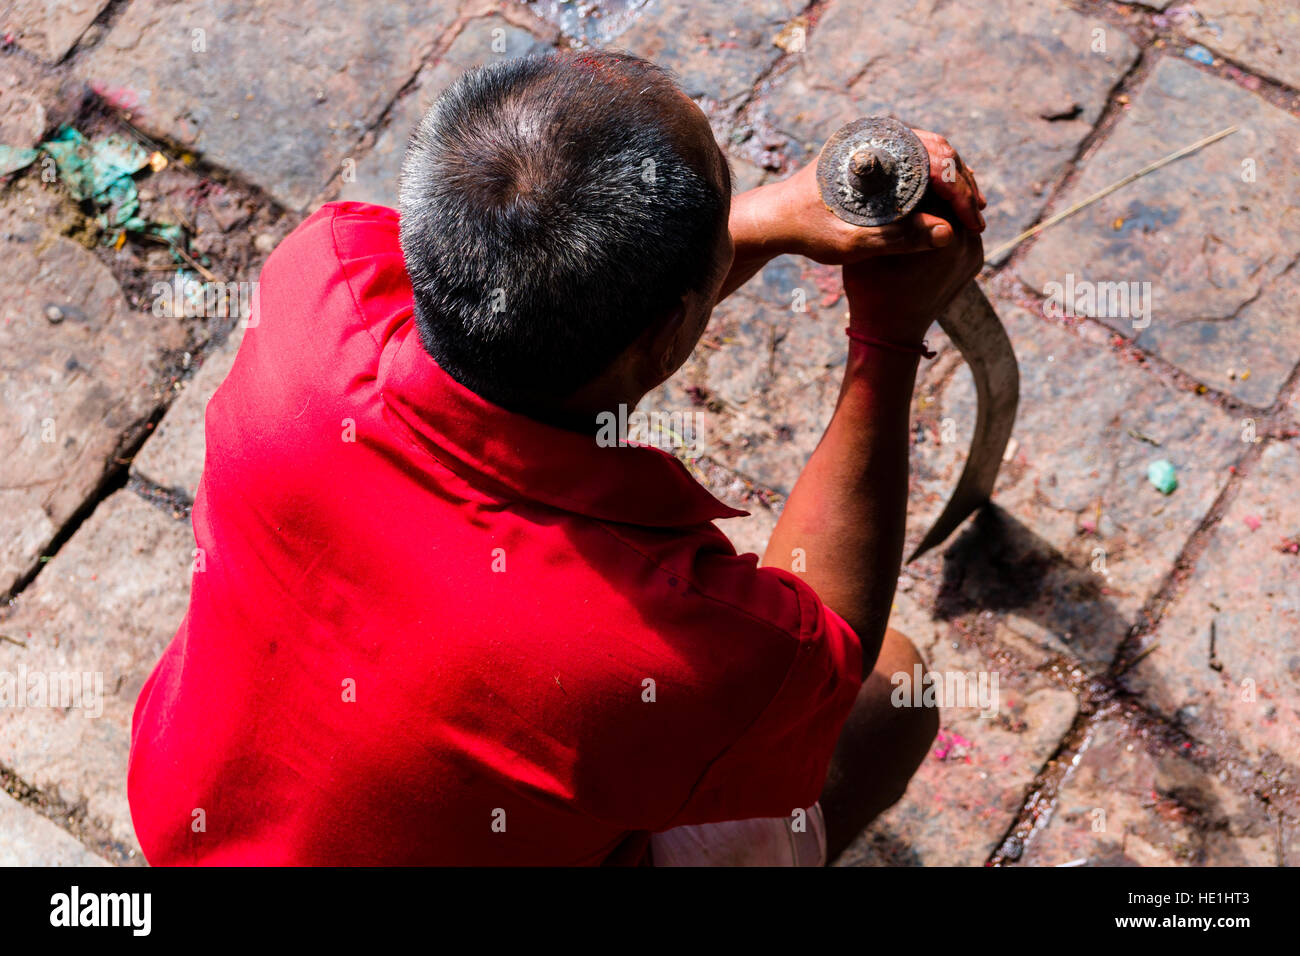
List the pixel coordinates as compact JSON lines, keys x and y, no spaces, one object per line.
{"x":548,"y":218}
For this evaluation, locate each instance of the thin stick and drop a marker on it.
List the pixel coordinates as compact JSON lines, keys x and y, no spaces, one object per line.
{"x":1134,"y":662}
{"x":183,"y":220}
{"x":208,"y":274}
{"x":1066,"y":213}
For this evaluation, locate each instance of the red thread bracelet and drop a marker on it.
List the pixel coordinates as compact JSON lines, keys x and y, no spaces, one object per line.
{"x":922,"y":349}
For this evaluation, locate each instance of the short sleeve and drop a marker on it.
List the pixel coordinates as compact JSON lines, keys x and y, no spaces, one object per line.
{"x":779,"y":763}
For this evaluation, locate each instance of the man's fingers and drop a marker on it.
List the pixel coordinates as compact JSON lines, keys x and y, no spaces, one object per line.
{"x":919,"y":232}
{"x":937,"y":230}
{"x":961,"y":194}
{"x":952,"y":180}
{"x":977,"y":196}
{"x":980,"y":201}
{"x":979,"y":193}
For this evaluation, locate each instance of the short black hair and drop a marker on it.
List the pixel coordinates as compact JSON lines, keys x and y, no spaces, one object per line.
{"x":548,"y":218}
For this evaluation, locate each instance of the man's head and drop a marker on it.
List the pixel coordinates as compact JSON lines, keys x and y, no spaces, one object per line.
{"x":564,"y":224}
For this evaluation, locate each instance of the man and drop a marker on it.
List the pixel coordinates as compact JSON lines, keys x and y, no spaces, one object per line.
{"x":435,"y":621}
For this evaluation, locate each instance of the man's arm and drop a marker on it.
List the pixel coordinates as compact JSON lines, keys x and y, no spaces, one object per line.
{"x":847,"y":512}
{"x":848,"y":508}
{"x":846,"y":515}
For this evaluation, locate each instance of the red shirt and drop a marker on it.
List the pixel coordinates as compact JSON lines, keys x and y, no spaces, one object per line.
{"x":421,"y":626}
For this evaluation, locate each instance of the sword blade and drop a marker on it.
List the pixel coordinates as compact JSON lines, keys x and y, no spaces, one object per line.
{"x":978,"y":334}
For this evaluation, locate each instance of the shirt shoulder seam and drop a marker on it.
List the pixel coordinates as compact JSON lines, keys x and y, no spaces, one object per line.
{"x":358,"y":313}
{"x":797,"y":639}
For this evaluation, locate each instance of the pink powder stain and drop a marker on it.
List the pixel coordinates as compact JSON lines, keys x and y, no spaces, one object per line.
{"x":119,"y":97}
{"x":948,"y":742}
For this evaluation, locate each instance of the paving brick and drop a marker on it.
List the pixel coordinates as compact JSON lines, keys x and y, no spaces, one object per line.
{"x":48,"y":28}
{"x":1017,"y":86}
{"x":1261,"y":35}
{"x":73,"y":390}
{"x":1247,"y":586}
{"x":717,"y":49}
{"x":279,"y":92}
{"x":22,"y":114}
{"x":1134,"y":801}
{"x":591,"y":23}
{"x":967,"y":793}
{"x":106,"y":605}
{"x":481,"y":42}
{"x":1076,"y":483}
{"x":1217,"y":251}
{"x":173,"y":455}
{"x":29,"y":839}
{"x":990,"y":77}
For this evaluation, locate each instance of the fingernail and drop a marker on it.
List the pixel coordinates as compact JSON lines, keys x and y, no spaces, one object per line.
{"x":940,"y":235}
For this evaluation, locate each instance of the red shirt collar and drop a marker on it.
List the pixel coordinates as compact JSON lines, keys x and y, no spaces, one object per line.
{"x":633,"y":484}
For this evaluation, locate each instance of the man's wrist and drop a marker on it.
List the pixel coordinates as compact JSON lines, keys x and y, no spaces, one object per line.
{"x":882,"y":365}
{"x":902,"y":330}
{"x":889,"y":344}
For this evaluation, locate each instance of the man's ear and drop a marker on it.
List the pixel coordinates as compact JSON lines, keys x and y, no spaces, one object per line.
{"x":666,"y":343}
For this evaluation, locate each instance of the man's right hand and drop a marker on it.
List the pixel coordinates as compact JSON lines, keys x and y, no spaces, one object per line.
{"x":895,"y":298}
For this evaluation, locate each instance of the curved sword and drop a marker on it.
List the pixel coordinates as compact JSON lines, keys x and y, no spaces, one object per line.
{"x":871,"y":172}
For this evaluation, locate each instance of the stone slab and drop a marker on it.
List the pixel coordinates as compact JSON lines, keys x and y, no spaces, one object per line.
{"x":106,"y":605}
{"x":280,"y":92}
{"x":1214,"y":234}
{"x":967,"y":793}
{"x":1079,"y":540}
{"x":1135,"y":801}
{"x":29,"y":839}
{"x":22,"y":114}
{"x":71,"y":392}
{"x":1261,"y":35}
{"x":48,"y":28}
{"x":1247,"y":585}
{"x":717,"y":49}
{"x":765,"y":378}
{"x":1014,"y":86}
{"x":173,"y":455}
{"x":481,"y":42}
{"x":587,"y":23}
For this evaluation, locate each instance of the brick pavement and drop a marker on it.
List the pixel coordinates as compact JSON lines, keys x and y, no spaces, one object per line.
{"x":1119,"y":738}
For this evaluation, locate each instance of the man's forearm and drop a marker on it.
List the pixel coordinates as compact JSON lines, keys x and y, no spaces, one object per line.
{"x":755,"y":232}
{"x":844,"y":521}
